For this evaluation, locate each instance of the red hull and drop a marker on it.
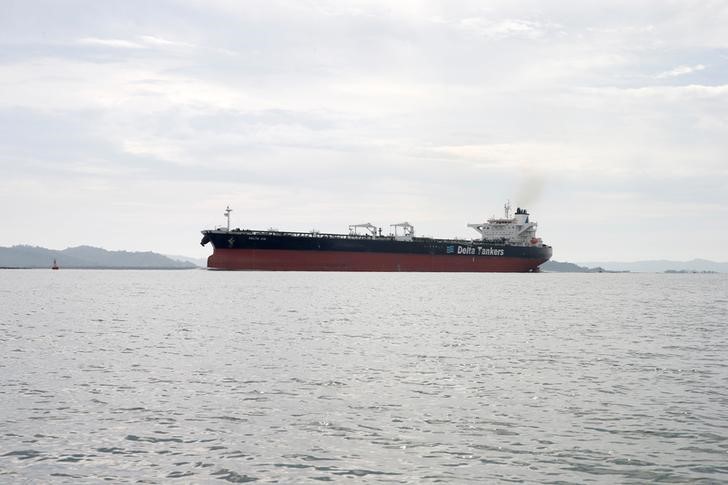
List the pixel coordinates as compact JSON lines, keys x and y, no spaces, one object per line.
{"x":284,"y":260}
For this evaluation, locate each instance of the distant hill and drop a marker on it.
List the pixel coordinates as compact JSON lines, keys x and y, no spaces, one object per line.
{"x":660,"y":266}
{"x":561,"y":267}
{"x":201,"y":262}
{"x":85,"y":257}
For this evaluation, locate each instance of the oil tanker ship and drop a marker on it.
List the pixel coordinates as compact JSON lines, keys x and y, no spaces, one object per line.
{"x":507,"y":244}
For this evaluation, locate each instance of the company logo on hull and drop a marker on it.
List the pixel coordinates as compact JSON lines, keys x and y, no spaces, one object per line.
{"x":478,"y":251}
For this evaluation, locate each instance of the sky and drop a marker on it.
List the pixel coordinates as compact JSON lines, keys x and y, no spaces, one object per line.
{"x":133,"y":124}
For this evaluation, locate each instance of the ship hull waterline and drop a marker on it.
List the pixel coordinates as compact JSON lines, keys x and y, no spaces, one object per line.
{"x":297,"y":260}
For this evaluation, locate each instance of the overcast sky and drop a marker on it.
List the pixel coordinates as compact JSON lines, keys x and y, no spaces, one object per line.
{"x":132,"y":124}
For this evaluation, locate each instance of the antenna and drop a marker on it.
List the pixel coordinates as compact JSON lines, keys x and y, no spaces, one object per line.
{"x":227,"y":214}
{"x":507,"y":208}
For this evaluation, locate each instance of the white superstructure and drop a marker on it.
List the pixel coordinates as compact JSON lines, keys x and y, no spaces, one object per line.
{"x":516,"y":230}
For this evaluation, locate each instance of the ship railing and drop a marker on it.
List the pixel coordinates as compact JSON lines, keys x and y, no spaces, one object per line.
{"x":254,"y":232}
{"x":325,"y":235}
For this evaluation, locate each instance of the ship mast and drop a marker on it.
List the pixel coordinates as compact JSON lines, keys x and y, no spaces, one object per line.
{"x":228,"y":210}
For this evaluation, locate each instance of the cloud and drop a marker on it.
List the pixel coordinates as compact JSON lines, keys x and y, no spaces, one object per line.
{"x":546,"y":157}
{"x":680,"y":71}
{"x":423,"y":109}
{"x":140,"y":42}
{"x":150,"y":39}
{"x":503,"y":29}
{"x":675,"y":93}
{"x":115,"y":43}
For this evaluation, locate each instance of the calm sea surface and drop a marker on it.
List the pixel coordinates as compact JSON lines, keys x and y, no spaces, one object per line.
{"x":199,"y":376}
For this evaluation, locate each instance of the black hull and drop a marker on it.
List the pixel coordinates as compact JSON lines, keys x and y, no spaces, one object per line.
{"x":308,"y":251}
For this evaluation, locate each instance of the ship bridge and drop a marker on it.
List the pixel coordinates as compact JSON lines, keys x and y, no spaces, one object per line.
{"x":514,"y":229}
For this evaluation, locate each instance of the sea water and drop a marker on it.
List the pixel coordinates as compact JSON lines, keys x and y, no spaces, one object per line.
{"x":201,"y":376}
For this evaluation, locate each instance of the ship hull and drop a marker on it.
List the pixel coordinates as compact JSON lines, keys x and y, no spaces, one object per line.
{"x":274,"y":250}
{"x":298,"y":260}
